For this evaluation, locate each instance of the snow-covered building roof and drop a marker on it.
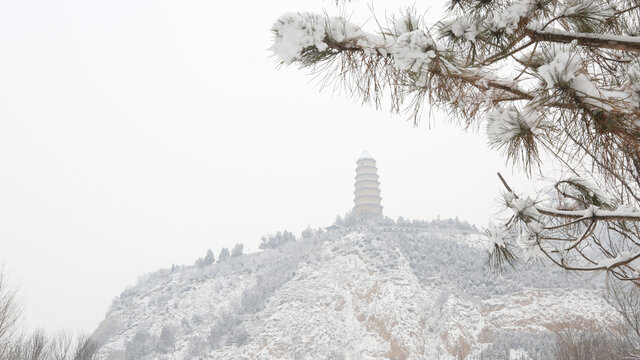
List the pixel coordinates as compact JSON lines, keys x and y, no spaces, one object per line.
{"x":365,"y":155}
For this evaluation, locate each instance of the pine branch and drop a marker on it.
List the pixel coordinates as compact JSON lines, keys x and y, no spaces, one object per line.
{"x":591,"y":214}
{"x":472,"y":76}
{"x":603,"y":41}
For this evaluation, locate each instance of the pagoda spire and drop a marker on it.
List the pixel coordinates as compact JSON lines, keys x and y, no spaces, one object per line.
{"x":367,"y":187}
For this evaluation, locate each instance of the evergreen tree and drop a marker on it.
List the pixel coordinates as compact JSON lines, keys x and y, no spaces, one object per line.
{"x":208,"y":258}
{"x":308,"y":233}
{"x":167,"y":340}
{"x":224,"y":254}
{"x":272,"y":242}
{"x":140,"y":345}
{"x":552,"y":80}
{"x":549,"y":80}
{"x":237,"y":250}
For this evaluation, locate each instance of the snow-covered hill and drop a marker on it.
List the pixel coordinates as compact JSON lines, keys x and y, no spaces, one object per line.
{"x":363,"y":291}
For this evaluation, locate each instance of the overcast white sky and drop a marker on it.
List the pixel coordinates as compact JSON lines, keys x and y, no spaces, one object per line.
{"x":135,"y":134}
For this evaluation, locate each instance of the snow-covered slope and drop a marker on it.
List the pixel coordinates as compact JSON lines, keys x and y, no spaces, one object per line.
{"x":364,"y":291}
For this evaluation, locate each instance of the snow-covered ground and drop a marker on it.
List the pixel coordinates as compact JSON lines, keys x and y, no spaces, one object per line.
{"x":364,"y":291}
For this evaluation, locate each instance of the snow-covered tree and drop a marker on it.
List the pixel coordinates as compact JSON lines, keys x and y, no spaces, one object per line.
{"x":308,"y":233}
{"x":224,"y":254}
{"x":206,"y":261}
{"x":167,"y":339}
{"x":208,"y":258}
{"x":237,"y":250}
{"x":274,"y":241}
{"x":197,"y":347}
{"x":140,"y":345}
{"x":550,"y":80}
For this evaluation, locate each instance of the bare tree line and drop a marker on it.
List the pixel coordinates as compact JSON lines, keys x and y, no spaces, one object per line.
{"x":16,"y":345}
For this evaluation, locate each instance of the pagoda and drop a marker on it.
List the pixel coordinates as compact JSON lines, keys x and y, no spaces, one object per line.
{"x":367,"y":187}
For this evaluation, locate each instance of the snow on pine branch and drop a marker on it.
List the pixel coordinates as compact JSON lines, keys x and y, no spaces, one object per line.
{"x":509,"y":19}
{"x":500,"y":253}
{"x":529,"y":246}
{"x":587,"y":10}
{"x":586,"y":192}
{"x":564,"y":70}
{"x":414,"y":51}
{"x":565,"y":236}
{"x":593,"y":213}
{"x":308,"y":39}
{"x":607,"y":208}
{"x":559,"y":75}
{"x":622,"y":258}
{"x":408,"y":22}
{"x":493,"y":32}
{"x":463,"y":27}
{"x":498,"y":238}
{"x":562,"y":66}
{"x":298,"y":32}
{"x":504,"y":125}
{"x":538,"y":32}
{"x":633,"y":76}
{"x":517,"y":132}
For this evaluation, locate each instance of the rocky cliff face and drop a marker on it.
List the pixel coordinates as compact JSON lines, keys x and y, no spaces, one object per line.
{"x":364,"y":291}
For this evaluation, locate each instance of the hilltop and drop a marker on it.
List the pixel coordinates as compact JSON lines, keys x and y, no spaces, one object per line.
{"x":362,"y":290}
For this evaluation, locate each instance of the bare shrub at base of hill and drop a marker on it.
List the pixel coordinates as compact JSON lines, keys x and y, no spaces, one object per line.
{"x":64,"y":346}
{"x":85,"y":349}
{"x":10,"y":313}
{"x":625,"y":297}
{"x":590,"y":344}
{"x":38,"y":346}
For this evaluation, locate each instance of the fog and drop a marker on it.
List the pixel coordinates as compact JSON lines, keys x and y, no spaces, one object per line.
{"x":137,"y":134}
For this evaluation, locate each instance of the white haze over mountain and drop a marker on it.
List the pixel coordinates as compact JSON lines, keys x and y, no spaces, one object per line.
{"x":137,"y":134}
